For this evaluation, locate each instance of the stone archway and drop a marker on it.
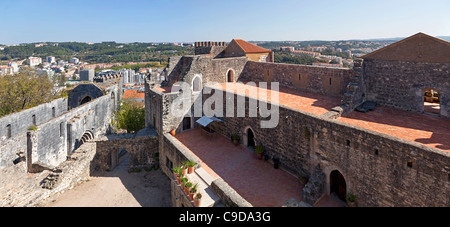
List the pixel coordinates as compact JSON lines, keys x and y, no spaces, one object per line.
{"x":249,"y":137}
{"x":338,"y":185}
{"x":87,"y":136}
{"x":85,"y":100}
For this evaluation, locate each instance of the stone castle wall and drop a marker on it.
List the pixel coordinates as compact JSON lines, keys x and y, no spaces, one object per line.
{"x":330,"y":81}
{"x":374,"y":165}
{"x":401,"y":84}
{"x":57,"y":138}
{"x":19,"y":123}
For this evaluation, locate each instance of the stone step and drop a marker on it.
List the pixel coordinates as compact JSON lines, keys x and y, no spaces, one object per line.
{"x":204,"y":180}
{"x":206,"y":177}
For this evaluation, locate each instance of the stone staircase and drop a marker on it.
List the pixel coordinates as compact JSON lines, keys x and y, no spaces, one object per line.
{"x":178,"y":73}
{"x":353,"y":95}
{"x":52,"y":180}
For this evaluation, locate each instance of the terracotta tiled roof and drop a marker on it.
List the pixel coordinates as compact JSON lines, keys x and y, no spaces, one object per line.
{"x":250,"y":48}
{"x":133,"y":94}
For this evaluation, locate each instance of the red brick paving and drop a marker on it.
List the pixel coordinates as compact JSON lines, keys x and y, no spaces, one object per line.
{"x":428,"y":130}
{"x":255,"y":180}
{"x":314,"y":103}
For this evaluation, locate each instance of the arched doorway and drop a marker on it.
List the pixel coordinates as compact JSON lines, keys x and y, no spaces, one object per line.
{"x":338,"y":185}
{"x":197,"y":84}
{"x":432,"y":101}
{"x":85,"y":100}
{"x":250,"y":138}
{"x":230,"y":76}
{"x":87,"y":136}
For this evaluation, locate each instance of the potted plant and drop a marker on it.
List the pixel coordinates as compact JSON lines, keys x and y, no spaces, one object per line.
{"x":235,"y":139}
{"x":180,"y":176}
{"x":259,"y":151}
{"x":183,"y":180}
{"x":187,"y":187}
{"x":184,"y":167}
{"x":190,"y":166}
{"x":351,"y":199}
{"x":198,"y":200}
{"x":172,"y":132}
{"x":176,"y":172}
{"x":192,"y":192}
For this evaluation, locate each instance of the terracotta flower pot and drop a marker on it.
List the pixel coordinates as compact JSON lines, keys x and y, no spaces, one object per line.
{"x":186,"y":190}
{"x":235,"y":142}
{"x":259,"y":156}
{"x":197,"y":202}
{"x":191,"y":196}
{"x":190,"y":169}
{"x":184,"y":171}
{"x":172,"y":132}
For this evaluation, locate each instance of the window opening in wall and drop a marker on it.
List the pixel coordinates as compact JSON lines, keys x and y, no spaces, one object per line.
{"x":33,"y":119}
{"x":299,"y":77}
{"x":53,"y":112}
{"x":348,"y":142}
{"x":61,"y":129}
{"x":432,"y":101}
{"x":410,"y":164}
{"x":376,"y":152}
{"x":330,"y":80}
{"x":197,"y":84}
{"x":8,"y":131}
{"x":230,"y":76}
{"x":169,"y":163}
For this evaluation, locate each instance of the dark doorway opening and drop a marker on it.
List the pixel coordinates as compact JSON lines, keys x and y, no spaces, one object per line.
{"x":432,"y":101}
{"x":250,"y":138}
{"x":186,"y":123}
{"x":85,"y":100}
{"x":338,"y":185}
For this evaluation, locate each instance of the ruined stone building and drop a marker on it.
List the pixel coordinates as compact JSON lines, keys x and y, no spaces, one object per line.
{"x":380,"y":131}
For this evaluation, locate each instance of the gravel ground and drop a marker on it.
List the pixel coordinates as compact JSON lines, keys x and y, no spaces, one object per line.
{"x":117,"y":188}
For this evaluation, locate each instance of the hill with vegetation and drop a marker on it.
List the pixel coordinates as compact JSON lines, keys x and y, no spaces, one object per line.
{"x":105,"y":52}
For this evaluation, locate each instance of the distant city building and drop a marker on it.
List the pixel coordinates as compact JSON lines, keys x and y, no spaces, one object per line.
{"x":318,"y":49}
{"x":74,"y":60}
{"x":6,"y":70}
{"x":290,"y":48}
{"x":50,"y":59}
{"x":310,"y":53}
{"x":46,"y":72}
{"x":87,"y":75}
{"x":15,"y":66}
{"x":34,"y":61}
{"x":40,"y":44}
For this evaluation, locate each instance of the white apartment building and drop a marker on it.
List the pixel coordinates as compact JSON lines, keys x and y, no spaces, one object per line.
{"x":34,"y":61}
{"x":50,"y":59}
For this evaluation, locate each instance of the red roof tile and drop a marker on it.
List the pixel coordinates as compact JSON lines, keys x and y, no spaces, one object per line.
{"x":133,"y":94}
{"x":249,"y":47}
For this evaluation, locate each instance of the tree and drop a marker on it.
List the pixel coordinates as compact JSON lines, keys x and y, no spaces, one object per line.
{"x":24,"y":90}
{"x":130,"y":115}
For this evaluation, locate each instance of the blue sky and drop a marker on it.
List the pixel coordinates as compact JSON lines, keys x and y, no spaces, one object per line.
{"x":24,"y":21}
